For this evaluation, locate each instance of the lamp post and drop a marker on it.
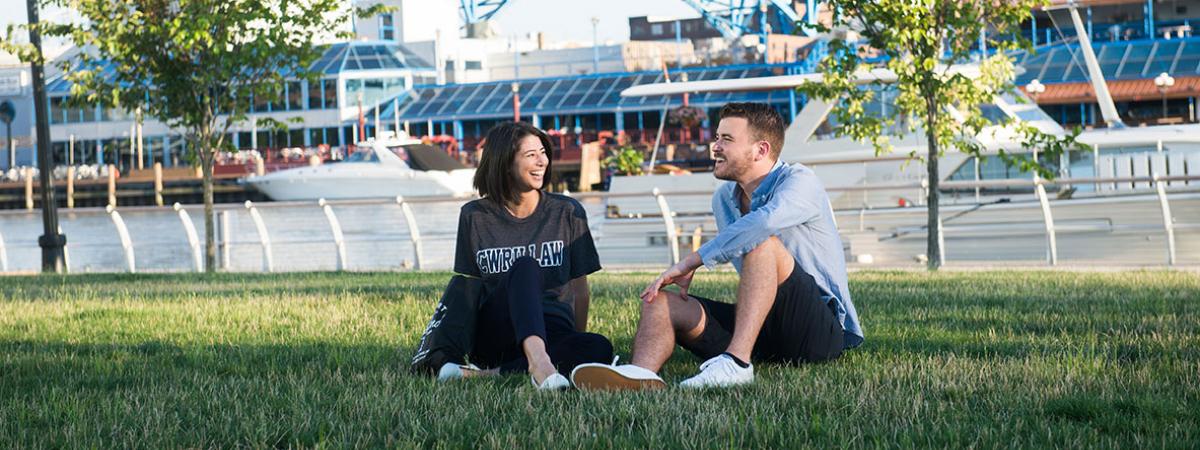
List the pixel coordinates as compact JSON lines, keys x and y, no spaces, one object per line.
{"x":1035,"y":88}
{"x":50,"y":241}
{"x":516,"y":90}
{"x":595,"y":47}
{"x":1164,"y":82}
{"x":764,"y":31}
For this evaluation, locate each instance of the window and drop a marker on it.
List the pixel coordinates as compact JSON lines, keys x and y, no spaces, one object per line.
{"x":244,"y":140}
{"x":473,"y":65}
{"x":331,"y":137}
{"x":85,"y":153}
{"x":364,"y":156}
{"x":259,"y":105}
{"x":89,"y":113}
{"x":656,"y":29}
{"x":329,"y":93}
{"x":59,"y":152}
{"x":296,"y":137}
{"x":314,"y":95}
{"x":295,"y":97}
{"x":354,"y":91}
{"x":56,"y":110}
{"x":373,"y":91}
{"x":387,"y":29}
{"x":74,"y":112}
{"x":264,"y":139}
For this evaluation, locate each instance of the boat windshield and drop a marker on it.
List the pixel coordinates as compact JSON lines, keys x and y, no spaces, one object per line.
{"x":365,"y":156}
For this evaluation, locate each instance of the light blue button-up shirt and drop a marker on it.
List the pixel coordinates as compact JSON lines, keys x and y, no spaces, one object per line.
{"x":791,"y":204}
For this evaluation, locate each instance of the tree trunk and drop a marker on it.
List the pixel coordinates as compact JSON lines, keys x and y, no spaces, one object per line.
{"x":933,"y":248}
{"x":210,"y":241}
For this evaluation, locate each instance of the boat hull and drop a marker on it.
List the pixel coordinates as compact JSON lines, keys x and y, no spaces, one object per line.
{"x":369,"y":181}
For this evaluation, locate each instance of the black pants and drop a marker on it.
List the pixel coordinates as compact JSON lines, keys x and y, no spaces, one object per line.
{"x":516,"y":311}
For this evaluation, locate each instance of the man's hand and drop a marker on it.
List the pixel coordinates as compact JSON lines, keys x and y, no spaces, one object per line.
{"x":679,"y":274}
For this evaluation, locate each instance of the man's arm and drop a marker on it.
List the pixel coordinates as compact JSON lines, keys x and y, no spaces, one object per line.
{"x":581,"y":298}
{"x":679,"y":274}
{"x":795,"y":201}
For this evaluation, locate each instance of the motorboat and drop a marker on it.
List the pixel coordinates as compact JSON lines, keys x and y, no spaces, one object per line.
{"x":394,"y":165}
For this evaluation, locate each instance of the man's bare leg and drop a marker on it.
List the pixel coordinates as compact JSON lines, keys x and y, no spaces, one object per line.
{"x":763,"y":269}
{"x":668,"y":318}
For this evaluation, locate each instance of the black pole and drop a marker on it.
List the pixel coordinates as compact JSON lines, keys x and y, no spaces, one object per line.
{"x":8,"y":143}
{"x":51,"y":241}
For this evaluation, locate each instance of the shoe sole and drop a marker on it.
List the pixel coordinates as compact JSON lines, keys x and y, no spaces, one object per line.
{"x":605,"y":379}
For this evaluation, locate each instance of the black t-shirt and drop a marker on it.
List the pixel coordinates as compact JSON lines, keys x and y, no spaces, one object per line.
{"x":556,"y":235}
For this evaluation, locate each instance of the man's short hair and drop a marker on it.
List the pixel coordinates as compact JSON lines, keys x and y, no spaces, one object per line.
{"x":765,"y":122}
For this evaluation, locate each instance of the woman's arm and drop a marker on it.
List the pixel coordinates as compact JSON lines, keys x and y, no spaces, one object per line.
{"x":581,"y":297}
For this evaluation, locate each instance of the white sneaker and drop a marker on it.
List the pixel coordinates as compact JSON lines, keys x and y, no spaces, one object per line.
{"x":720,"y":371}
{"x":452,"y":371}
{"x":611,"y":377}
{"x":554,"y":382}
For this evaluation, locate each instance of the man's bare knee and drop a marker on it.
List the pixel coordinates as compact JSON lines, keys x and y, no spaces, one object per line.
{"x":687,"y":316}
{"x":771,"y":253}
{"x":658,"y":306}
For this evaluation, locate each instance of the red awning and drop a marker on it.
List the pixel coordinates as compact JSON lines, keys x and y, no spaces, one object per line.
{"x":1121,"y":90}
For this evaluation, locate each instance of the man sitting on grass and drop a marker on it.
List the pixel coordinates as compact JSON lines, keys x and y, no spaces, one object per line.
{"x":777,"y":228}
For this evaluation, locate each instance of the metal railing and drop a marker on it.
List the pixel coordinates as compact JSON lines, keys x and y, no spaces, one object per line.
{"x":1158,"y":182}
{"x":666,"y":217}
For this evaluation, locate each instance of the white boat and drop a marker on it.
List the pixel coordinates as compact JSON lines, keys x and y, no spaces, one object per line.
{"x":385,"y":168}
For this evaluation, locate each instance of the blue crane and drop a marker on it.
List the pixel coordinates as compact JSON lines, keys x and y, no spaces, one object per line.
{"x":478,"y":10}
{"x":733,"y":18}
{"x":736,"y":18}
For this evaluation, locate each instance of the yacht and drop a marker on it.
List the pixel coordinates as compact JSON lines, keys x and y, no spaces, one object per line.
{"x":394,"y":165}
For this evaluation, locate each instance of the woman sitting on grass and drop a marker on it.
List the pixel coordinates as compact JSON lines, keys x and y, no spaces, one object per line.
{"x":533,"y":251}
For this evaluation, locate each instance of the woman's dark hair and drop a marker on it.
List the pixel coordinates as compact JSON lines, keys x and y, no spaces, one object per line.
{"x":494,"y":179}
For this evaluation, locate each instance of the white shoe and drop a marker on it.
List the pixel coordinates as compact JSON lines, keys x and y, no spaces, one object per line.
{"x":611,"y":377}
{"x":452,"y":371}
{"x":720,"y":371}
{"x":554,"y":382}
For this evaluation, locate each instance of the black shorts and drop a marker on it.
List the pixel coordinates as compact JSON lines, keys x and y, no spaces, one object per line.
{"x":801,"y":326}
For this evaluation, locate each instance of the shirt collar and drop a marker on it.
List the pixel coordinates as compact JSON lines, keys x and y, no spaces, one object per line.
{"x":766,"y":187}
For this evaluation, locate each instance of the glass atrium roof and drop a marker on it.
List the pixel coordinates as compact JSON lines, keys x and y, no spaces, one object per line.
{"x":337,"y":58}
{"x":1121,"y":60}
{"x":368,"y":55}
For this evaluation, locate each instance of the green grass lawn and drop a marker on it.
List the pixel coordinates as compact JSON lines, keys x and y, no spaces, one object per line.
{"x":1001,"y":359}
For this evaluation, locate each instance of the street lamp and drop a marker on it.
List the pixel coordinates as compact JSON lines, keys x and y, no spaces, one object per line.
{"x":1164,"y":82}
{"x":51,"y":241}
{"x":1035,"y":88}
{"x":595,"y":47}
{"x":516,"y":91}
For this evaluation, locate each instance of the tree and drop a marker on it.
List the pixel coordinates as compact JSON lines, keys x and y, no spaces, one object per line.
{"x":925,"y":43}
{"x":195,"y":65}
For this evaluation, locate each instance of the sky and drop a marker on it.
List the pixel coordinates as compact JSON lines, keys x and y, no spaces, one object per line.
{"x":571,"y":19}
{"x":559,"y":19}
